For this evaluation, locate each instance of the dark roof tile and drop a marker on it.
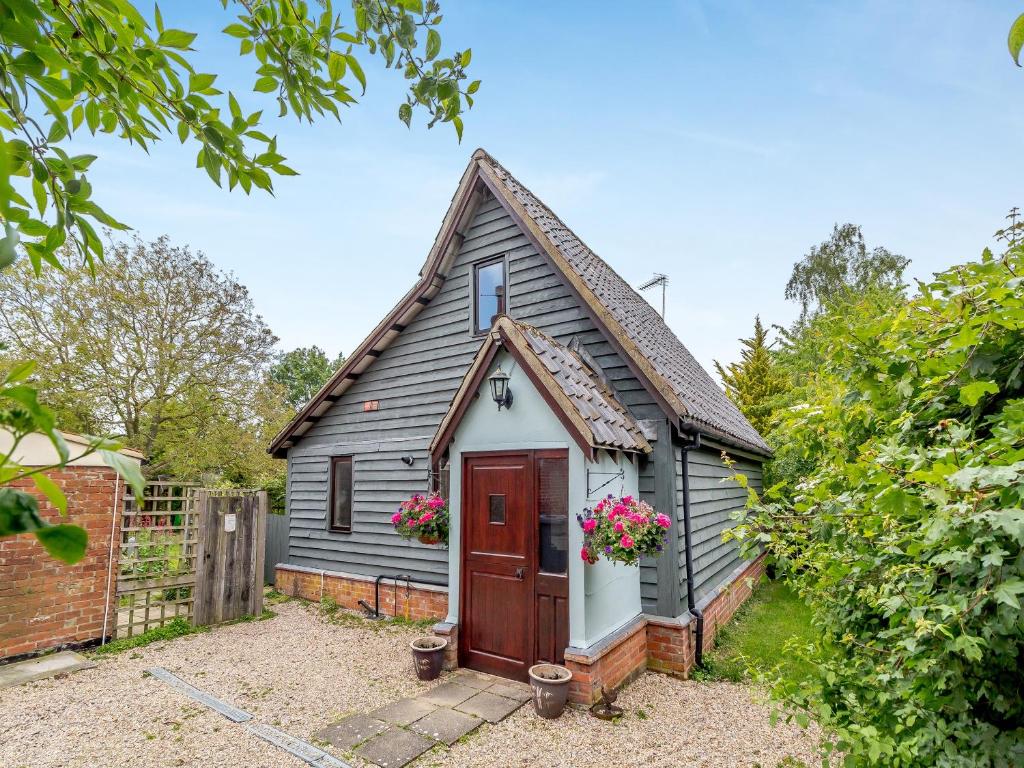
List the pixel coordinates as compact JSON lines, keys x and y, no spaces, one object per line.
{"x":706,"y":403}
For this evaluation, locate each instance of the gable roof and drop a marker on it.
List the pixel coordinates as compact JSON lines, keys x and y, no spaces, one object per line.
{"x":682,"y":388}
{"x":583,"y":403}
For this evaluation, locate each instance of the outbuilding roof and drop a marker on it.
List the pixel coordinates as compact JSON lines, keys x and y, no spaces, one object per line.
{"x":680,"y":385}
{"x":581,"y":400}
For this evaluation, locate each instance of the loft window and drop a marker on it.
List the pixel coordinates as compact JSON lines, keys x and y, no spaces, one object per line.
{"x":340,"y":511}
{"x":488,"y":293}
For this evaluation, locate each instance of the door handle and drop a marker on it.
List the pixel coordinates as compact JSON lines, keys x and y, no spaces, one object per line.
{"x":520,"y":573}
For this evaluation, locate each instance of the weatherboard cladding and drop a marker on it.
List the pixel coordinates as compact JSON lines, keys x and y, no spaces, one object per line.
{"x":414,"y":380}
{"x":714,"y":500}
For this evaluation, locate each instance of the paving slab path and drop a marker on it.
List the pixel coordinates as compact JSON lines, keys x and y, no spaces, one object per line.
{"x":396,"y":734}
{"x":42,"y":667}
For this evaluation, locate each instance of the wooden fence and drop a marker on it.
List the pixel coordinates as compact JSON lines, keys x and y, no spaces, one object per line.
{"x":157,"y":564}
{"x":161,"y":537}
{"x":277,"y":545}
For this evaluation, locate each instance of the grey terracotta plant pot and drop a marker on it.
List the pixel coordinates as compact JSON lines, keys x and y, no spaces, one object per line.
{"x":550,"y":683}
{"x":428,"y":656}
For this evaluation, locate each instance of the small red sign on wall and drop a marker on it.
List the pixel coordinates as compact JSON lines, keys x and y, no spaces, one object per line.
{"x":371,"y":405}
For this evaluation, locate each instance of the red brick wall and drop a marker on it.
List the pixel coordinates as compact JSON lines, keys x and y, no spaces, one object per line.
{"x":45,"y":603}
{"x":722,"y":608}
{"x":415,"y":604}
{"x":661,"y":645}
{"x":620,"y":663}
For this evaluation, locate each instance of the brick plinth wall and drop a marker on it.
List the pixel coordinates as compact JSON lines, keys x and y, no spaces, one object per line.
{"x":449,"y":632}
{"x":655,"y":643}
{"x":45,"y":603}
{"x":672,"y":644}
{"x":416,"y":602}
{"x":619,"y":659}
{"x":721,"y":609}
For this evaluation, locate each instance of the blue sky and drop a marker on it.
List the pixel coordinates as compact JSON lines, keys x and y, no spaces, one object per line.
{"x":714,"y":142}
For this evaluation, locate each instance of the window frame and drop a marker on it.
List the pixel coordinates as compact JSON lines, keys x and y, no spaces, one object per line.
{"x":334,"y":462}
{"x":474,"y":316}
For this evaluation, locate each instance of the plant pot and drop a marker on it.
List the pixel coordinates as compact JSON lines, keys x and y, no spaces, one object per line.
{"x":428,"y":539}
{"x":428,"y":656}
{"x":550,"y":683}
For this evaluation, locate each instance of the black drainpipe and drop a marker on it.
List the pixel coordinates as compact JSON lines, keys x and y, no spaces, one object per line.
{"x":691,"y":603}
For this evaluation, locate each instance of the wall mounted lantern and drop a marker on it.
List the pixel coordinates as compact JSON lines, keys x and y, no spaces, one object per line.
{"x":499,"y":389}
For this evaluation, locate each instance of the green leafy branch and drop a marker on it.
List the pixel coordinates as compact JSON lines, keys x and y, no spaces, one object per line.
{"x":21,"y":415}
{"x":99,"y":65}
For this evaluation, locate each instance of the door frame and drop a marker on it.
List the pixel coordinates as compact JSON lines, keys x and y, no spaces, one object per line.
{"x":532,"y":455}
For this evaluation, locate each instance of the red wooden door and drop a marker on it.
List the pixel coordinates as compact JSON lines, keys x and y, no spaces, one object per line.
{"x":514,"y":587}
{"x":496,"y":617}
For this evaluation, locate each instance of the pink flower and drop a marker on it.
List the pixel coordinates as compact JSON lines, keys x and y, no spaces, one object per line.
{"x":619,"y":527}
{"x":589,"y":525}
{"x":626,"y":542}
{"x":599,"y":507}
{"x":620,"y":509}
{"x":436,"y":503}
{"x":426,"y":517}
{"x":611,"y":515}
{"x":585,"y":555}
{"x":396,"y":518}
{"x":412,"y":523}
{"x":627,"y":499}
{"x":663,"y":521}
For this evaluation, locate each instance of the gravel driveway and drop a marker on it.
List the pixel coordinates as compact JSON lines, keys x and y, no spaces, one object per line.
{"x":299,"y":672}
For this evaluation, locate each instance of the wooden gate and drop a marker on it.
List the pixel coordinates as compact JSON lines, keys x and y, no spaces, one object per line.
{"x":229,"y":577}
{"x":163,"y":536}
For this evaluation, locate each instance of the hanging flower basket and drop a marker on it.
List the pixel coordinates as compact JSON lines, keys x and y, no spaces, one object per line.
{"x":424,"y":518}
{"x":622,"y":530}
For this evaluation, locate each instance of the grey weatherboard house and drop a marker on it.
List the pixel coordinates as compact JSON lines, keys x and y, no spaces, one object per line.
{"x":603,"y":389}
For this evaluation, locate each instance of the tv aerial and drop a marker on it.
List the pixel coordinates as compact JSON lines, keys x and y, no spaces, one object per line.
{"x":658,"y":279}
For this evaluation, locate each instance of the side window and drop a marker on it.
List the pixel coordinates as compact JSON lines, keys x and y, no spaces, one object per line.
{"x":488,"y":293}
{"x":553,"y":506}
{"x":340,"y":510}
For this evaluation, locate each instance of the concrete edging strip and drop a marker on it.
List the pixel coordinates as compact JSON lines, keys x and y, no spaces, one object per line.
{"x":234,"y":714}
{"x":303,"y":750}
{"x":297,"y":747}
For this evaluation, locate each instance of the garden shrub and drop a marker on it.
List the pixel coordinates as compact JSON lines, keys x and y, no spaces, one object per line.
{"x":905,"y":531}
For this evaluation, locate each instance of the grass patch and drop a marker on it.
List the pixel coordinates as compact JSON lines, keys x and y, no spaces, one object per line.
{"x":178,"y":627}
{"x":329,"y":610}
{"x":757,"y":635}
{"x":273,"y":597}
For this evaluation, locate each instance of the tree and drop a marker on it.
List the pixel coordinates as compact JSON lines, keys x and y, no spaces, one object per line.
{"x":840,"y":265}
{"x":302,"y":372}
{"x":756,"y":382}
{"x":905,"y":534}
{"x":100,"y":65}
{"x":156,"y":346}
